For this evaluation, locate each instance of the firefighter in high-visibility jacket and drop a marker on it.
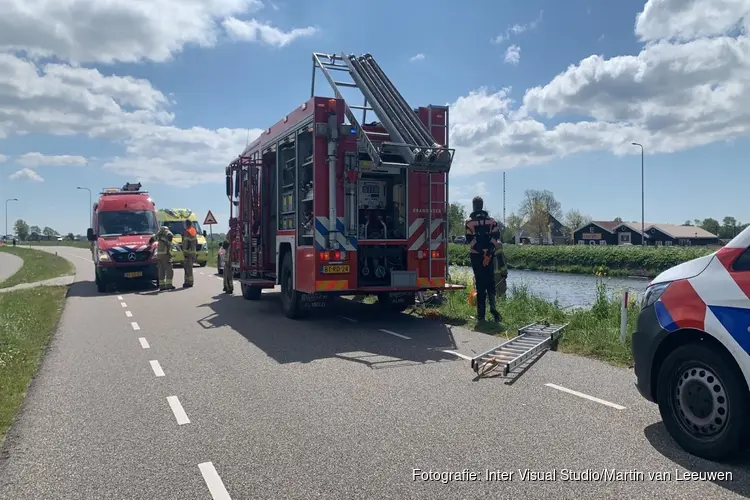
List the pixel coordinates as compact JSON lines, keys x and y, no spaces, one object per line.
{"x":189,"y":251}
{"x":483,"y":238}
{"x":164,"y":257}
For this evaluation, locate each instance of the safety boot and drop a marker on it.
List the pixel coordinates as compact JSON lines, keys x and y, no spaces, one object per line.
{"x":493,"y":308}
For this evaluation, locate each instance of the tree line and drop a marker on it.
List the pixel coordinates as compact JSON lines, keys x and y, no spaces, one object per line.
{"x":534,"y":211}
{"x":25,"y":232}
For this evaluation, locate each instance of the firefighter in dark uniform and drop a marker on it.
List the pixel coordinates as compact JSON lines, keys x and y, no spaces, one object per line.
{"x":483,"y":238}
{"x":228,"y":259}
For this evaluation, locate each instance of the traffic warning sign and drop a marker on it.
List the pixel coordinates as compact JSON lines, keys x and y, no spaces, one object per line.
{"x":210,"y":219}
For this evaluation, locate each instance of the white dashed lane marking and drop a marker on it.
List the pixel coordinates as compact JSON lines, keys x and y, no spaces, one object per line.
{"x":123,"y":304}
{"x":395,"y":334}
{"x":179,"y":412}
{"x":586,"y":396}
{"x":349,"y":319}
{"x":144,"y":342}
{"x":135,"y":326}
{"x":458,"y":354}
{"x":157,"y":368}
{"x":213,"y":481}
{"x":119,"y":297}
{"x":128,"y":314}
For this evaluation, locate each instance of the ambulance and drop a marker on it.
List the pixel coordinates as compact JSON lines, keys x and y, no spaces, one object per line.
{"x":691,"y":350}
{"x":174,"y":219}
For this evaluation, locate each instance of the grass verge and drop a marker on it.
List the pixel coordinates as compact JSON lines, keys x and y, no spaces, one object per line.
{"x":593,"y":332}
{"x":38,"y":265}
{"x":585,"y":259}
{"x":64,"y":243}
{"x":27,"y":321}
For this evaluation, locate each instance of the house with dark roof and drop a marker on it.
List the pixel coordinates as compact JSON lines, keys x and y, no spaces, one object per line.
{"x":629,"y":233}
{"x":555,"y":234}
{"x":596,"y":232}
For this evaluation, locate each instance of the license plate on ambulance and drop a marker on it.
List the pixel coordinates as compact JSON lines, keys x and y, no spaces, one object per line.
{"x":344,"y":269}
{"x":136,"y":274}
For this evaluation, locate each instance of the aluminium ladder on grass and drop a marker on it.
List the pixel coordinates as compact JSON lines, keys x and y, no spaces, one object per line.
{"x":531,"y":340}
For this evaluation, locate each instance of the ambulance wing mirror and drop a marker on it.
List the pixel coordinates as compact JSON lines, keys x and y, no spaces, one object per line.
{"x":229,"y":185}
{"x":204,"y":234}
{"x":90,"y":234}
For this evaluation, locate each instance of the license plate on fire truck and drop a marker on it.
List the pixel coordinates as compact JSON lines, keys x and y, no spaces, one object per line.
{"x":136,"y":274}
{"x":343,"y":269}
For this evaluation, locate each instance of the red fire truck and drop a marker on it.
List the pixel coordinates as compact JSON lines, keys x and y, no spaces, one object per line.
{"x":324,"y":204}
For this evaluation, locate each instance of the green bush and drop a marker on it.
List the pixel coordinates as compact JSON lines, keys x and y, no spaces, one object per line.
{"x":585,"y":259}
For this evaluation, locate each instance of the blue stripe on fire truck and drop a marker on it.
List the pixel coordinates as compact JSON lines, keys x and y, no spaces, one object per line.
{"x":321,"y":235}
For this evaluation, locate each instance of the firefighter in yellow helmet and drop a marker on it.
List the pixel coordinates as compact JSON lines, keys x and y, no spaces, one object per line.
{"x":189,"y":250}
{"x":164,"y":257}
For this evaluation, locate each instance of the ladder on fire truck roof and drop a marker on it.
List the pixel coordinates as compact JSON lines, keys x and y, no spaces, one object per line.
{"x":413,"y":142}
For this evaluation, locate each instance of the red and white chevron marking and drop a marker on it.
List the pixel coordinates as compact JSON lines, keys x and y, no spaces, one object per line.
{"x":417,"y":232}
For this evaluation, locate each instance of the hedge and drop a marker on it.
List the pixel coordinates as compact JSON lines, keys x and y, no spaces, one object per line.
{"x":584,"y":259}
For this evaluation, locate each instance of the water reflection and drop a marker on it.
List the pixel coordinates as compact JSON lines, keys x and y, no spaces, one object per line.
{"x":571,"y":290}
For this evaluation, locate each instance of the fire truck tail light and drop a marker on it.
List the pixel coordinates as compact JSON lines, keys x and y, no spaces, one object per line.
{"x":331,"y":104}
{"x":332,"y":255}
{"x":422,"y":254}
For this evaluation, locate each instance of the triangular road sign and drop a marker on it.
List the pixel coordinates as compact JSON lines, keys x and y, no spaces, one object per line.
{"x":210,"y":219}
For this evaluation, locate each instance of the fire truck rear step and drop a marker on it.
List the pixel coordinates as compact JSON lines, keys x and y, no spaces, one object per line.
{"x":532,"y":339}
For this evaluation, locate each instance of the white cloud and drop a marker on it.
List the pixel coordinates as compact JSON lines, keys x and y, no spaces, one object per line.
{"x":255,"y":31}
{"x":26,"y":173}
{"x":58,"y":99}
{"x":672,"y":96}
{"x":33,"y":160}
{"x":114,"y":30}
{"x":517,"y":29}
{"x":3,"y":158}
{"x":418,"y":57}
{"x":513,"y":55}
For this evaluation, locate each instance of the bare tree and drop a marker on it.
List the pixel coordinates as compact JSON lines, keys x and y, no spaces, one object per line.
{"x":575,"y":219}
{"x":536,"y":208}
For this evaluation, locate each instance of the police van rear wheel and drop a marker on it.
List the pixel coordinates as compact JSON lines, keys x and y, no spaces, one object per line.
{"x":289,"y":297}
{"x":704,"y":402}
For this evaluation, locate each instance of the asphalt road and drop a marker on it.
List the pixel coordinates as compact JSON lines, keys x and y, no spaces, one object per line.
{"x":9,"y":265}
{"x":190,"y":394}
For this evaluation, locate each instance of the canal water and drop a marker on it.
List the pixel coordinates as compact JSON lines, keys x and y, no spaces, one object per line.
{"x":570,"y":290}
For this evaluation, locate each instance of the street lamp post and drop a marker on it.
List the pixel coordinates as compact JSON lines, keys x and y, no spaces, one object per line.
{"x":90,"y":206}
{"x":6,"y":214}
{"x":643,"y":203}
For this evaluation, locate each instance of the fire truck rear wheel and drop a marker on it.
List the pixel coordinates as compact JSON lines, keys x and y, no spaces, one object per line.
{"x":289,"y":296}
{"x":251,"y":292}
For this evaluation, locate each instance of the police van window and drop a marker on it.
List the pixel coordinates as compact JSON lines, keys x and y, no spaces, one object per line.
{"x":127,"y":222}
{"x":743,"y":262}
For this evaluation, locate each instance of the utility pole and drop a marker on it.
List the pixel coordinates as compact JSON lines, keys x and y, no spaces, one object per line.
{"x":643,"y":197}
{"x":6,"y":214}
{"x":90,"y":206}
{"x":505,"y":221}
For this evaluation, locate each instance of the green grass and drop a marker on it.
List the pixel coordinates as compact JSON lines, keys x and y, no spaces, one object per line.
{"x":584,"y":259}
{"x":593,"y":332}
{"x":65,"y":243}
{"x":27,"y":321}
{"x":38,"y":265}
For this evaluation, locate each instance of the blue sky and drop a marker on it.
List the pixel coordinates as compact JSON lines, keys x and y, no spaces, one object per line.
{"x":561,"y":124}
